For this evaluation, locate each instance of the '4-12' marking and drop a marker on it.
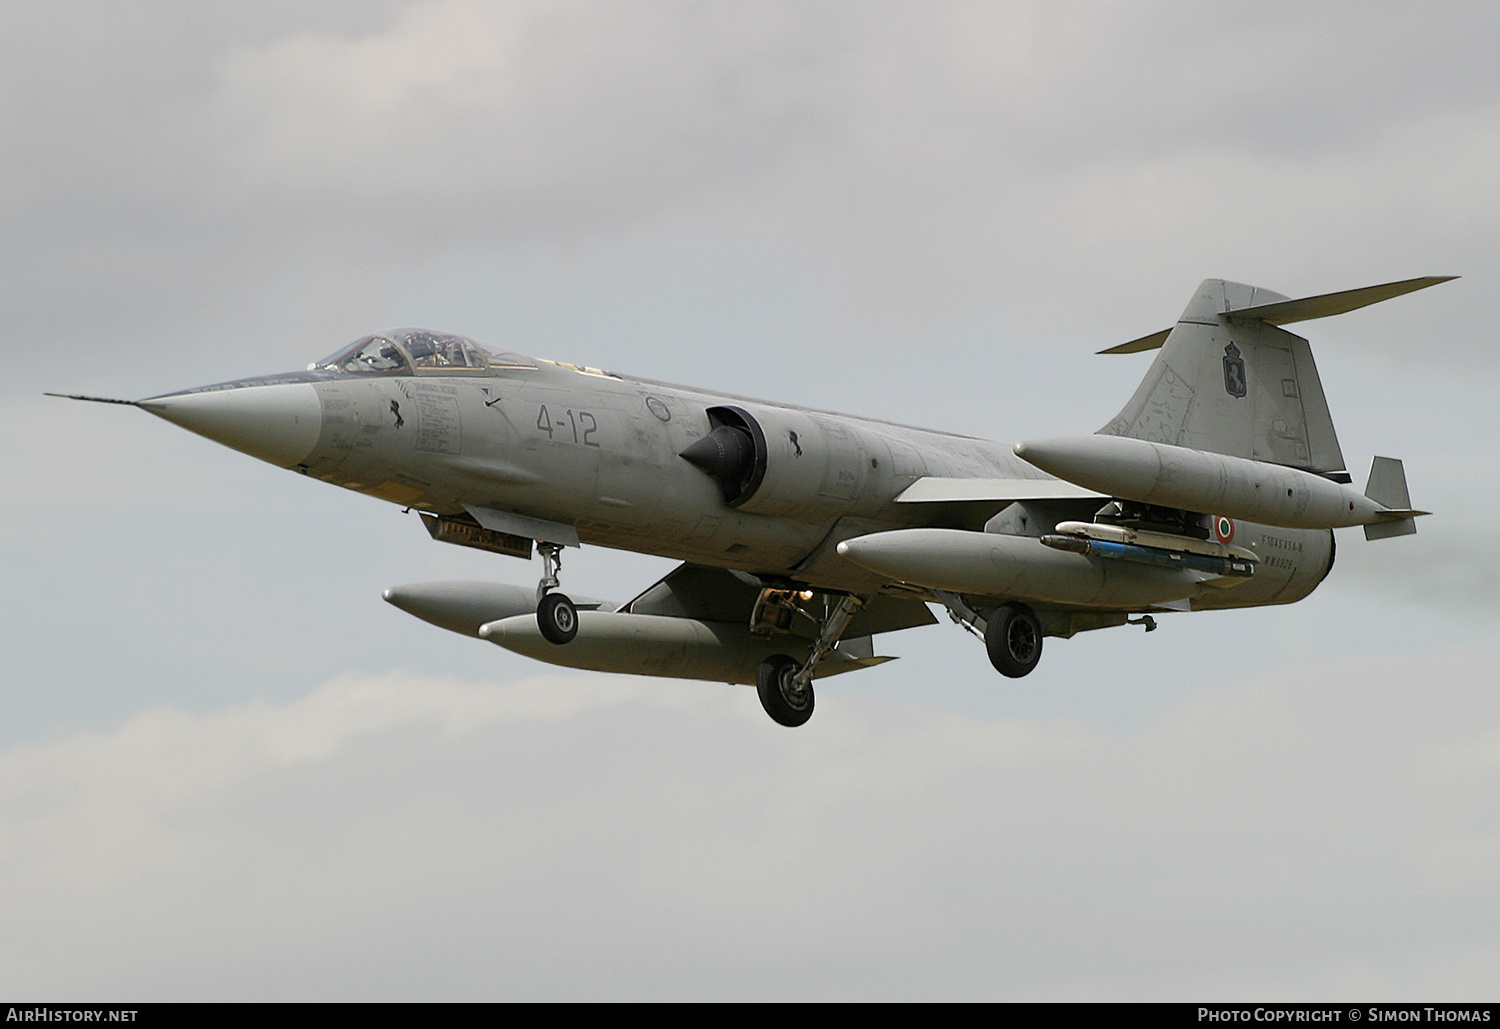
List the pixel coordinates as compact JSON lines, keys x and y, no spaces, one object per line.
{"x":576,"y":421}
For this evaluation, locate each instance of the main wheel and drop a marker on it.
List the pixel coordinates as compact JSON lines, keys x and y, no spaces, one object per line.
{"x":1013,"y":637}
{"x":773,"y":681}
{"x":557,"y":618}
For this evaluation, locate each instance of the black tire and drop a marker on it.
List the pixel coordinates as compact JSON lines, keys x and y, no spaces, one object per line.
{"x":772,"y":680}
{"x":1013,"y":637}
{"x":557,"y":618}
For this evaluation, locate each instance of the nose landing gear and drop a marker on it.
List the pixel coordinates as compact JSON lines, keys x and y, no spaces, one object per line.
{"x":556,"y":617}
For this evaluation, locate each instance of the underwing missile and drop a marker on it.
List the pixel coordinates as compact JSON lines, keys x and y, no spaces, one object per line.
{"x":1123,"y":543}
{"x":1196,"y":480}
{"x":992,"y":564}
{"x":1226,"y":566}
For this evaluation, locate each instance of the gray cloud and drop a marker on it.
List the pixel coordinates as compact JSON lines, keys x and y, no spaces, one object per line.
{"x":930,"y":163}
{"x":1320,"y":833}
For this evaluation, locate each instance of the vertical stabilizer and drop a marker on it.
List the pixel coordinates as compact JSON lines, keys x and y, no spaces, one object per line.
{"x":1229,"y":382}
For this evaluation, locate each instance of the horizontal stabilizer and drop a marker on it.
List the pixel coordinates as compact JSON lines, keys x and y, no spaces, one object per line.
{"x":1138,"y":346}
{"x":932,"y":490}
{"x":1286,"y":312}
{"x":1330,"y":304}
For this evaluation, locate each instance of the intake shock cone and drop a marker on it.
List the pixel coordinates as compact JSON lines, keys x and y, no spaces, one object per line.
{"x":727,"y":455}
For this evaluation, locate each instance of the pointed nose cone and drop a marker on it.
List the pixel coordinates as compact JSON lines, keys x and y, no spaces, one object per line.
{"x":279,"y":423}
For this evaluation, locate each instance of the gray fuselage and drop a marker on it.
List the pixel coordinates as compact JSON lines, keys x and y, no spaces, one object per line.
{"x":601,"y":453}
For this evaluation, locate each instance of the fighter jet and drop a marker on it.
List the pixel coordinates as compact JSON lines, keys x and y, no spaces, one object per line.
{"x":803,"y":534}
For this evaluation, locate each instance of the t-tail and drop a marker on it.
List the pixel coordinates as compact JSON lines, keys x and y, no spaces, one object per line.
{"x":1229,"y":380}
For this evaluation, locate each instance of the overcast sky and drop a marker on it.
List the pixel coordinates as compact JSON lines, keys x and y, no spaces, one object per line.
{"x":229,"y":771}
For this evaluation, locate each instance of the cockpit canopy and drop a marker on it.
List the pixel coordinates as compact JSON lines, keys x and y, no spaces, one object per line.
{"x":404,"y":351}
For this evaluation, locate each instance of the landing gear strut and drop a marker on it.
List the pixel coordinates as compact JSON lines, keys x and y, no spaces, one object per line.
{"x":556,"y":617}
{"x":785,"y":687}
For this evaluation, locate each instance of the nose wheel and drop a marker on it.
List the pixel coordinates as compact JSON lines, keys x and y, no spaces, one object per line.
{"x":556,"y":617}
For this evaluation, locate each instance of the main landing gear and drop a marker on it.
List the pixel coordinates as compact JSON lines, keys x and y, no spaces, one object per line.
{"x":1012,"y":633}
{"x":784,"y":686}
{"x":1013,"y":637}
{"x":784,"y":701}
{"x":556,"y":617}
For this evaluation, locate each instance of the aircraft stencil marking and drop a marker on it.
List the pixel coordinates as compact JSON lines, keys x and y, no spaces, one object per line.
{"x":1234,"y":372}
{"x":798,"y":544}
